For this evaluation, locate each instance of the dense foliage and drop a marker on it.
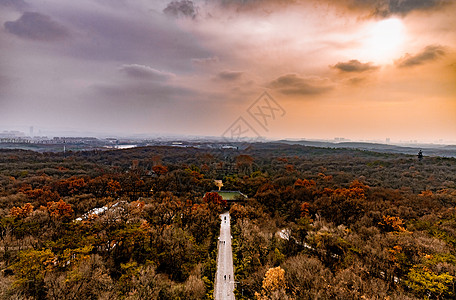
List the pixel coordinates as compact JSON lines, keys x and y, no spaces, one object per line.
{"x":319,"y":223}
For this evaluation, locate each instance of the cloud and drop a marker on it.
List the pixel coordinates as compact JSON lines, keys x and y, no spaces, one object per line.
{"x":205,"y":61}
{"x":378,"y":8}
{"x":355,"y":66}
{"x":3,"y":80}
{"x":153,"y":86}
{"x":230,"y":75}
{"x":141,"y":94}
{"x":35,"y":26}
{"x":254,"y":7}
{"x":4,"y":84}
{"x":18,"y":4}
{"x":404,"y":7}
{"x":260,"y":3}
{"x":184,"y":8}
{"x":145,"y":72}
{"x":429,"y":53}
{"x":129,"y":36}
{"x":293,"y":84}
{"x":386,"y":8}
{"x":134,"y":92}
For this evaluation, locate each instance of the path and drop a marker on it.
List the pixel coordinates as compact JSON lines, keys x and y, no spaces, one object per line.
{"x":224,"y":278}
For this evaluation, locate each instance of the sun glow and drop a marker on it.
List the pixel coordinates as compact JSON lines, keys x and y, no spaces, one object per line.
{"x":384,"y":40}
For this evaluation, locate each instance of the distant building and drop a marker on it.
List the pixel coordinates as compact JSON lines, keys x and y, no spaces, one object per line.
{"x":75,"y":140}
{"x":11,"y":134}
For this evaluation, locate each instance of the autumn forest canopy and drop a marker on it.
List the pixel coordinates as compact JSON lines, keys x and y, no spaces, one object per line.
{"x":319,"y":223}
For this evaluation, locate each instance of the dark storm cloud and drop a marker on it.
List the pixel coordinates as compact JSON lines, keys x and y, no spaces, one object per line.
{"x":292,"y":84}
{"x":184,"y":8}
{"x":355,"y":66}
{"x":403,"y":7}
{"x":230,"y":75}
{"x":35,"y":26}
{"x":145,"y":72}
{"x":381,"y":8}
{"x":386,"y":8}
{"x":429,"y":53}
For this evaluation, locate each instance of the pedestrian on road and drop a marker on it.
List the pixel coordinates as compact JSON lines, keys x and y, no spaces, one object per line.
{"x":224,"y":277}
{"x":229,"y":276}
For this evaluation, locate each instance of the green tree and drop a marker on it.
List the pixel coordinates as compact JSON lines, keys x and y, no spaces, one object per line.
{"x":425,"y":282}
{"x":30,"y":270}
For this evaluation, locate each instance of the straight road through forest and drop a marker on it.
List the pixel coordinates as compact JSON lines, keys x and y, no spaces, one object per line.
{"x":224,"y":278}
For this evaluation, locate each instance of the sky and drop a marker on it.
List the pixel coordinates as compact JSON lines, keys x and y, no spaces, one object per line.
{"x":357,"y":69}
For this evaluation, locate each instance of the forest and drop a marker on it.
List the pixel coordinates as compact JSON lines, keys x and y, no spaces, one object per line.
{"x":319,"y":223}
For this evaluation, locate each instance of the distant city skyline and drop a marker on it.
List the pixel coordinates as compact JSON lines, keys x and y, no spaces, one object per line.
{"x":105,"y":135}
{"x":360,"y":70}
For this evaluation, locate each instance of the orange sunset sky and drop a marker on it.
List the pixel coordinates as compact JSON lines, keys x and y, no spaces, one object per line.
{"x":362,"y":70}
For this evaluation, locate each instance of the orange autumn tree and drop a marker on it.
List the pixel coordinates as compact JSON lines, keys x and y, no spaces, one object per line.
{"x":136,"y":207}
{"x":426,"y":194}
{"x":356,"y":190}
{"x":358,"y":187}
{"x":59,"y":210}
{"x":71,"y":186}
{"x":392,"y":224}
{"x":289,"y":168}
{"x":274,"y":285}
{"x":22,"y":212}
{"x":160,"y":170}
{"x":214,"y":198}
{"x":309,"y":184}
{"x":304,"y":207}
{"x":42,"y":195}
{"x":113,"y":187}
{"x":244,"y":163}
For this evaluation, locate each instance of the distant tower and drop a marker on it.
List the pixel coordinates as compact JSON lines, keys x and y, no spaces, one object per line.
{"x":31,"y":131}
{"x":388,"y":140}
{"x":420,"y":155}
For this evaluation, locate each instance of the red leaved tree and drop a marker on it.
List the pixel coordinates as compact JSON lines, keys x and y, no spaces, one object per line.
{"x":214,"y":198}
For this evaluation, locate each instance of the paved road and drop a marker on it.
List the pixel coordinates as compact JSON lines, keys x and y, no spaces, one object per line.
{"x":224,"y":278}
